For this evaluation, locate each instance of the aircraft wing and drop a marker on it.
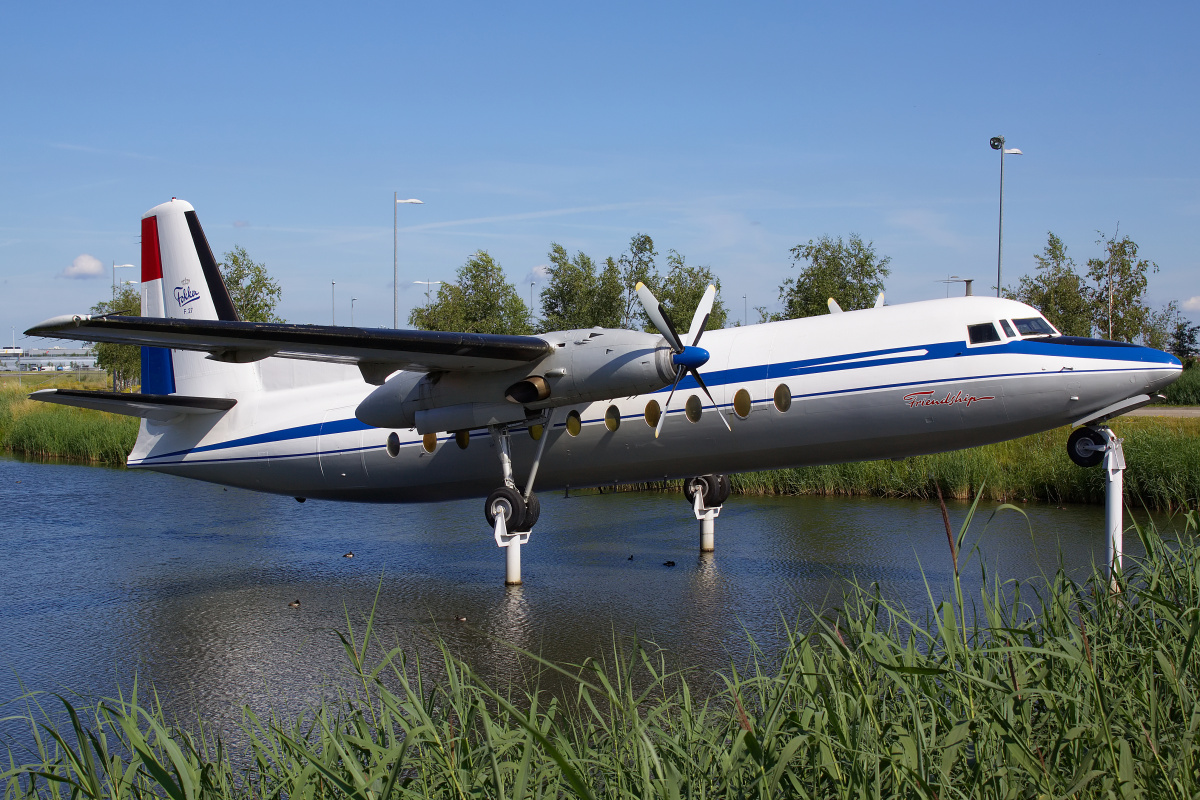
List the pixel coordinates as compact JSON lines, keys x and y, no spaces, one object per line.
{"x":377,"y":351}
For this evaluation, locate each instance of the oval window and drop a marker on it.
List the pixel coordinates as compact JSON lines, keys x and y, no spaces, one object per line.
{"x":653,"y":412}
{"x":462,"y":438}
{"x":741,"y":403}
{"x":574,"y":423}
{"x":693,"y":408}
{"x":783,"y":397}
{"x":535,"y":432}
{"x":612,"y":418}
{"x":429,"y":442}
{"x":393,"y":444}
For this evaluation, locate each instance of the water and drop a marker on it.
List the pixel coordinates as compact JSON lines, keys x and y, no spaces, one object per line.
{"x":112,"y":573}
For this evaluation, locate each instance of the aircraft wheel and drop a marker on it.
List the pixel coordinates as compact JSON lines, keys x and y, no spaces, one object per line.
{"x":1086,"y":447}
{"x":533,"y":510}
{"x":724,"y":489}
{"x":707,"y":485}
{"x":506,"y":501}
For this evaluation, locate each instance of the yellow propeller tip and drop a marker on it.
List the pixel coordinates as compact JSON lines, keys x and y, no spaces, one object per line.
{"x":639,"y":286}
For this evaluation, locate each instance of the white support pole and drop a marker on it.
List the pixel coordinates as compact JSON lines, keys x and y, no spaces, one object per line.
{"x":1114,"y":498}
{"x":707,"y":526}
{"x":512,"y":562}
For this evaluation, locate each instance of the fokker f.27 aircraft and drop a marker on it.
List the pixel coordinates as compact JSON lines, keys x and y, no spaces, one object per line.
{"x":396,"y":416}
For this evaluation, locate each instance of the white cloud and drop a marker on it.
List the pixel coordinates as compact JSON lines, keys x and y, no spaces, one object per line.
{"x":84,"y":266}
{"x":537,"y":275}
{"x":1192,"y":303}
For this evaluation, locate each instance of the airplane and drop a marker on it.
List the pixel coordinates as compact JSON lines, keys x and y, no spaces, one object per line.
{"x":401,"y":416}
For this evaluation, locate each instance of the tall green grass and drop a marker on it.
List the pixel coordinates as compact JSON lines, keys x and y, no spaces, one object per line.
{"x":1186,"y":390}
{"x":1063,"y":689}
{"x":43,"y":430}
{"x":1162,"y":455}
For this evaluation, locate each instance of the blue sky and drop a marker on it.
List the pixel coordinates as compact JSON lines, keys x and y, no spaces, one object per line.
{"x":729,"y":132}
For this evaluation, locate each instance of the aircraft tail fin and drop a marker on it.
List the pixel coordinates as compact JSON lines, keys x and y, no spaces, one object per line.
{"x":181,"y":280}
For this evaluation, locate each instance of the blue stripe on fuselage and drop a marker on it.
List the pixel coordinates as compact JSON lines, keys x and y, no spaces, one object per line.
{"x":813,"y":366}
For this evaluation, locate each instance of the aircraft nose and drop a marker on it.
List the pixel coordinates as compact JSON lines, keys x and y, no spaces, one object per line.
{"x":1164,"y":368}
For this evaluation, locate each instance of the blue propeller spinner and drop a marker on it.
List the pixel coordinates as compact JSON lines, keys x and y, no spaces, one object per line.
{"x":686,"y":358}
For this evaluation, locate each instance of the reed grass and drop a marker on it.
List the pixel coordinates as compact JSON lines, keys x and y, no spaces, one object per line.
{"x":1053,"y":689}
{"x":47,"y":431}
{"x":1185,"y":391}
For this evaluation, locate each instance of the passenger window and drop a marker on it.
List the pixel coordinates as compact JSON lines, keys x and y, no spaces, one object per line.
{"x":1008,"y":331}
{"x":1034,"y":326}
{"x":982,"y":333}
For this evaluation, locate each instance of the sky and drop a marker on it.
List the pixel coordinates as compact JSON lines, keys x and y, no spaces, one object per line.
{"x":728,"y":132}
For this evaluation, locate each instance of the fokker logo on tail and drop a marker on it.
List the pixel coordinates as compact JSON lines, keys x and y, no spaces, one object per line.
{"x":185,"y":294}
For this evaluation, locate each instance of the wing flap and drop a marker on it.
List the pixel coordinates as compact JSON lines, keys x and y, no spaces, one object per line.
{"x":161,"y":407}
{"x":420,"y":351}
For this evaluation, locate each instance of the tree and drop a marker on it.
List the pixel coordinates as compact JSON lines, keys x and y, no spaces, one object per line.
{"x":1183,"y":340}
{"x":578,"y":297}
{"x":122,"y":361}
{"x":850,"y":273}
{"x":1057,"y":290}
{"x":1117,"y":298}
{"x":481,"y":300}
{"x":637,"y":266}
{"x":1157,"y":331}
{"x":254,"y":292}
{"x":681,"y":291}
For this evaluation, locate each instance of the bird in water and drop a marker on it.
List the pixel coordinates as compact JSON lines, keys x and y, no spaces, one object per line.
{"x":630,"y":558}
{"x":294,"y":604}
{"x":668,"y":563}
{"x":459,"y":618}
{"x":349,"y":555}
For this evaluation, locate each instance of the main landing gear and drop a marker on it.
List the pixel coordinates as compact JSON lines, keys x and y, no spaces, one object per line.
{"x":510,"y":511}
{"x":1090,"y":447}
{"x":707,"y":494}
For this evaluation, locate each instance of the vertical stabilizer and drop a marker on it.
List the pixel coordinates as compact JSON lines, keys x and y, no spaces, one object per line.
{"x":181,"y":280}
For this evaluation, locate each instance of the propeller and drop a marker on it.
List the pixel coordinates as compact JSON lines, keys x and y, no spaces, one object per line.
{"x":686,"y":357}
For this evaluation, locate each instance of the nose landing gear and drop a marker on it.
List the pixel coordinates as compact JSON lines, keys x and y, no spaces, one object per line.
{"x":1089,"y":447}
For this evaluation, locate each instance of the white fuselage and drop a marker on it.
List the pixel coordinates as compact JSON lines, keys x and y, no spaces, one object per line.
{"x":890,"y":382}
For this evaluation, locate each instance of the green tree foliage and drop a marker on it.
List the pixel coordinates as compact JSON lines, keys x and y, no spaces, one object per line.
{"x":122,"y":361}
{"x":637,"y":265}
{"x":849,"y":272}
{"x":578,"y":296}
{"x":680,"y":291}
{"x":254,"y":292}
{"x":1057,"y":290}
{"x":1119,"y":281}
{"x":481,"y":300}
{"x":1183,"y":340}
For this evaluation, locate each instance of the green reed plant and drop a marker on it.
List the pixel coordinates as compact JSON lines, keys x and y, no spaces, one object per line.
{"x":1055,"y":688}
{"x":1185,"y":391}
{"x":43,"y":430}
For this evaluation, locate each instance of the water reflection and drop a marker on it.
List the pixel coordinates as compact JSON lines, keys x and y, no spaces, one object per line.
{"x":114,"y":572}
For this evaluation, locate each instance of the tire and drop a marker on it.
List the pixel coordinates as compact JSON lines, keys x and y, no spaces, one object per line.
{"x":509,"y":502}
{"x":1081,"y":447}
{"x":533,"y":510}
{"x":707,"y":485}
{"x":724,"y":489}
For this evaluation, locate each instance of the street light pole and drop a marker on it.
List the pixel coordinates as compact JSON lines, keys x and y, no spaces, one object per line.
{"x":396,"y":255}
{"x":116,"y":267}
{"x":352,"y":299}
{"x":997,"y":143}
{"x":333,"y":302}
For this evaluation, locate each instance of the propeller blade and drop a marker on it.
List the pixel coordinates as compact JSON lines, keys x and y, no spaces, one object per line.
{"x":663,"y":416}
{"x":879,"y":301}
{"x":834,"y":308}
{"x":700,"y":318}
{"x":699,"y":380}
{"x":658,"y":317}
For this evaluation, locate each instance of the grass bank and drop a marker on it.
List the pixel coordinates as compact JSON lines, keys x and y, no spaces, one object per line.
{"x":1186,"y":390}
{"x":1025,"y":691}
{"x":44,"y":430}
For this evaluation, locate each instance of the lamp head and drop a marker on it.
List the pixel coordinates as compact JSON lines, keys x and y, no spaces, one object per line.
{"x":997,"y":142}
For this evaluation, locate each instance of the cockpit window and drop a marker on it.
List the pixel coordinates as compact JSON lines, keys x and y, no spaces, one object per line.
{"x":1034,"y":326}
{"x":1008,"y":331}
{"x":982,"y":333}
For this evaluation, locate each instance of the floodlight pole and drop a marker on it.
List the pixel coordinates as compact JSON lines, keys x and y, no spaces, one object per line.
{"x":997,"y":143}
{"x":333,"y":302}
{"x":396,"y":255}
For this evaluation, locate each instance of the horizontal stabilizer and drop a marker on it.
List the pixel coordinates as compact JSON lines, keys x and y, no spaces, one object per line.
{"x":160,"y":407}
{"x":375,"y":350}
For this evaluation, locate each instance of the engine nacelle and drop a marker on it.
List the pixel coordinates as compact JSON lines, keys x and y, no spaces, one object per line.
{"x":585,"y":366}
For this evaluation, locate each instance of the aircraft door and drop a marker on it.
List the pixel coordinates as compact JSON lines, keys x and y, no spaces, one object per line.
{"x":340,"y":448}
